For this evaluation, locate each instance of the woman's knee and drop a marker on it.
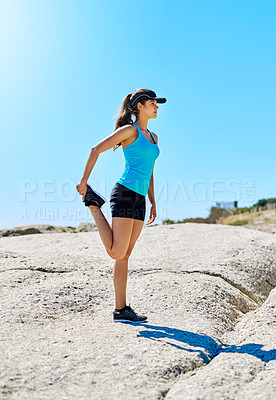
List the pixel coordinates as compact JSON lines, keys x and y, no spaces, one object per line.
{"x":121,"y":255}
{"x":116,"y":254}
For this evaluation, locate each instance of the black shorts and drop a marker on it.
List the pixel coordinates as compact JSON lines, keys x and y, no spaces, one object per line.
{"x":125,"y":203}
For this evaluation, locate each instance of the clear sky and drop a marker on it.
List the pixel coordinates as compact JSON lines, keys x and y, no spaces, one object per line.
{"x":67,"y":65}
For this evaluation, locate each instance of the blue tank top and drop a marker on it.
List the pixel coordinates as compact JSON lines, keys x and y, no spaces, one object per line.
{"x":140,"y":156}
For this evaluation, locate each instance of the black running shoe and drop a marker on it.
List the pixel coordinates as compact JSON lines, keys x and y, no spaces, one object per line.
{"x":127,"y":314}
{"x":93,"y":198}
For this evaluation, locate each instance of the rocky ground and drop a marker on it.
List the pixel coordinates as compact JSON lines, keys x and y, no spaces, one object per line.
{"x":32,"y":229}
{"x":209,"y":294}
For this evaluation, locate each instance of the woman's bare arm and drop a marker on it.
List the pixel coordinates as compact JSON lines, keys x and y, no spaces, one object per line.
{"x":151,"y":186}
{"x":151,"y":193}
{"x":107,"y":143}
{"x":91,"y":161}
{"x":151,"y":190}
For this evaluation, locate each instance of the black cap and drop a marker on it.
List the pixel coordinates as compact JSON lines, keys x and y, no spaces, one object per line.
{"x":148,"y":95}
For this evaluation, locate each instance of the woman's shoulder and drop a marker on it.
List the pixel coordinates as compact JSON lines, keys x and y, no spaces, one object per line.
{"x":128,"y":130}
{"x":131,"y":133}
{"x":129,"y":127}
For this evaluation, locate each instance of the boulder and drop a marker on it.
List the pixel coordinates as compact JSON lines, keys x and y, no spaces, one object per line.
{"x":86,"y":227}
{"x":33,"y":229}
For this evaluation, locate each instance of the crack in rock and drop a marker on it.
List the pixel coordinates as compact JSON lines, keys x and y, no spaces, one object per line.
{"x":217,"y":275}
{"x":39,"y":269}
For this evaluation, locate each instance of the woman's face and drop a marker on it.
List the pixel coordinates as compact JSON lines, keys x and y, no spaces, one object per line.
{"x":149,"y":109}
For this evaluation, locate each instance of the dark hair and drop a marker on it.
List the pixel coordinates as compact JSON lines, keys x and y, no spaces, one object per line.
{"x":126,"y":111}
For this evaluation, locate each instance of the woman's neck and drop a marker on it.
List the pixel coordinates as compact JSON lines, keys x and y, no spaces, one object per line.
{"x":142,"y":123}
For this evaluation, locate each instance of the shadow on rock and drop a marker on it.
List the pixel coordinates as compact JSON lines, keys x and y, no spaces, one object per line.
{"x":255,"y":349}
{"x":212,"y":346}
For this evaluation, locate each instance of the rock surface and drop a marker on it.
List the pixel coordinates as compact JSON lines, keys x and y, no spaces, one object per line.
{"x":208,"y":292}
{"x":32,"y":229}
{"x":245,"y":367}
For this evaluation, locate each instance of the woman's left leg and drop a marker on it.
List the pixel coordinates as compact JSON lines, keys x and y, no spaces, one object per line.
{"x":121,"y":267}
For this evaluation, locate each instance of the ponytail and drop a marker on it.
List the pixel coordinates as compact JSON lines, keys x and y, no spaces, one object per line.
{"x":124,"y":117}
{"x":126,"y":111}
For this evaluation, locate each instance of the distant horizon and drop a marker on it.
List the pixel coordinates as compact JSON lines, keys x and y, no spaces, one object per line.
{"x":91,"y":221}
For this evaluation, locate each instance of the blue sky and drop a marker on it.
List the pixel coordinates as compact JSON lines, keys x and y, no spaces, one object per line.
{"x":65,"y":68}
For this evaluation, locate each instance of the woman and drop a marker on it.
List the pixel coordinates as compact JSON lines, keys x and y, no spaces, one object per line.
{"x":127,"y":199}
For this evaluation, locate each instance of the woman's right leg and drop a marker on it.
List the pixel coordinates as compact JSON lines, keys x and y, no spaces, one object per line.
{"x":116,"y":238}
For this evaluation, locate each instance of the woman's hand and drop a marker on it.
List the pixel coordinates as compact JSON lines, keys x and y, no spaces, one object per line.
{"x":152,"y":214}
{"x":82,"y":189}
